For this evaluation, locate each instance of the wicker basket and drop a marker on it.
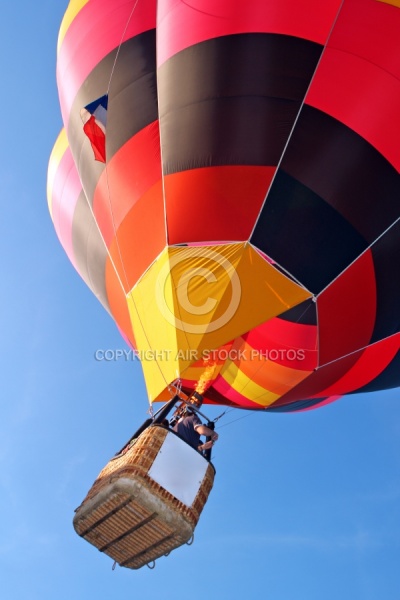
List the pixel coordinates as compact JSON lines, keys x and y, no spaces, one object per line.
{"x":128,"y":515}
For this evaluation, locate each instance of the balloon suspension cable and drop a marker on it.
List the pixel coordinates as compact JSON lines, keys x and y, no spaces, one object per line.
{"x":175,"y":388}
{"x":193,"y":402}
{"x":125,"y":287}
{"x":157,"y":418}
{"x":246,"y":416}
{"x":219,"y":417}
{"x":163,"y":412}
{"x":120,"y":45}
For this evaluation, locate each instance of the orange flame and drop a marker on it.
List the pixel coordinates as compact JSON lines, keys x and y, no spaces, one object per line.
{"x":205,"y":378}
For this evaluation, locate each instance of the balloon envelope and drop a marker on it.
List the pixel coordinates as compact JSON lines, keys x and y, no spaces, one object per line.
{"x":227,"y":184}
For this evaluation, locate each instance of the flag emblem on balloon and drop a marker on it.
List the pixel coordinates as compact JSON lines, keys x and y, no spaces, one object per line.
{"x":94,"y":118}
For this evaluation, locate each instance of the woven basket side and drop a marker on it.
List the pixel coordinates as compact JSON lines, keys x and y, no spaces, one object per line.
{"x":136,"y":462}
{"x":203,"y":493}
{"x":128,"y":527}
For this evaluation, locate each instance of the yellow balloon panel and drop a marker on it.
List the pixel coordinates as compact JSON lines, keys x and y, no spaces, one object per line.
{"x":73,"y":9}
{"x":195,"y":299}
{"x":60,"y":148}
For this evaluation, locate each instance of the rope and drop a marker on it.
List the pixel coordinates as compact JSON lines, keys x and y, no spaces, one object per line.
{"x":126,"y":287}
{"x":120,"y":44}
{"x":250,"y":414}
{"x":220,"y":416}
{"x":296,"y":119}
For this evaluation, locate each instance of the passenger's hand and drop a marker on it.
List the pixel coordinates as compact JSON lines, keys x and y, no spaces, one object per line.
{"x":207,"y":445}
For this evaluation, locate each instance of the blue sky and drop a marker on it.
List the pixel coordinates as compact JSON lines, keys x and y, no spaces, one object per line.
{"x":304,"y":505}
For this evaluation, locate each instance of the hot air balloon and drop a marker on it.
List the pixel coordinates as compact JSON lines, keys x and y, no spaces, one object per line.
{"x":227,"y":184}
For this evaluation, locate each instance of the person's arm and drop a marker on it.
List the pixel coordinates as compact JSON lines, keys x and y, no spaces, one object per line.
{"x":205,"y":446}
{"x":204,"y":430}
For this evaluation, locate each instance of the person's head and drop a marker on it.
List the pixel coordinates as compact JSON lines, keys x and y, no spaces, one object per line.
{"x":196,"y":399}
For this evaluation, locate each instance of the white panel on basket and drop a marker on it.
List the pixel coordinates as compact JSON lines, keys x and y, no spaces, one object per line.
{"x":179,"y":469}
